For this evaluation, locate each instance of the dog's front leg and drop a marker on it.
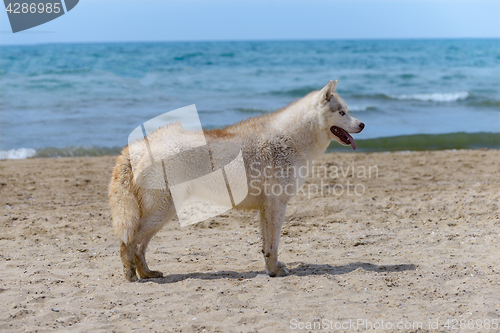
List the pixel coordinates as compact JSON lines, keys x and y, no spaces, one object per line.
{"x":272,"y":216}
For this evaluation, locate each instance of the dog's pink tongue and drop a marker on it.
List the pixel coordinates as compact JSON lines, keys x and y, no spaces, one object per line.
{"x":351,"y":140}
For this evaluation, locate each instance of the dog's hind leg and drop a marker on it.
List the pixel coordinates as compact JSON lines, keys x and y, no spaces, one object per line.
{"x":272,"y":216}
{"x":140,"y":259}
{"x":125,"y":211}
{"x":150,"y":227}
{"x":127,"y":256}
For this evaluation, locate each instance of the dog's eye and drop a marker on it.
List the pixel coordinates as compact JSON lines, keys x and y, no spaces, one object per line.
{"x":342,"y":113}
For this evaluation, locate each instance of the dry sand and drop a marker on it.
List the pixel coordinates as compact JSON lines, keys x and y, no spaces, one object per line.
{"x":420,"y":242}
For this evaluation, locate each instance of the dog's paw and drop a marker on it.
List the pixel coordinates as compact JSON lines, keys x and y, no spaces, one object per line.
{"x":155,"y":275}
{"x":129,"y":274}
{"x":151,"y":275}
{"x":132,"y":278}
{"x":279,"y":271}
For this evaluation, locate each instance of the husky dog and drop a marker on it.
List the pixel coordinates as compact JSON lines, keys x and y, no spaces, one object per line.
{"x":283,"y":141}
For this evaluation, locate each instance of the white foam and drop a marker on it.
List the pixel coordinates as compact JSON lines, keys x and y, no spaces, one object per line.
{"x":434,"y":97}
{"x":17,"y":154}
{"x":358,"y":108}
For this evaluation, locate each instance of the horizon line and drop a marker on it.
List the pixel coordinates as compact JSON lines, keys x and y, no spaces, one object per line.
{"x":255,"y":40}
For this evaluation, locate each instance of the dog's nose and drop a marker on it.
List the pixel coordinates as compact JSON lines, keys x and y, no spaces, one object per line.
{"x":362,"y":125}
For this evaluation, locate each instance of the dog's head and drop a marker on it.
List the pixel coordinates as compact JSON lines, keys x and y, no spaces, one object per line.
{"x":336,"y":119}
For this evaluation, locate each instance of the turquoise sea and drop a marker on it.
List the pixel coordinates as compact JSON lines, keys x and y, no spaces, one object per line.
{"x":85,"y":99}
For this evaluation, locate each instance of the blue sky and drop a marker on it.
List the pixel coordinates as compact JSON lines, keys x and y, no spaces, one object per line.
{"x":179,"y":20}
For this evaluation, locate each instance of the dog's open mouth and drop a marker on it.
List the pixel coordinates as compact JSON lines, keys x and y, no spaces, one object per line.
{"x":343,"y":136}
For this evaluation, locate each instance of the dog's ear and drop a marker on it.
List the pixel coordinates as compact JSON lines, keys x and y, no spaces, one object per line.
{"x":327,"y":92}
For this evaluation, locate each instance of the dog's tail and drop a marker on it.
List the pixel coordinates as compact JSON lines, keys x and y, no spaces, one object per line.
{"x":123,"y":199}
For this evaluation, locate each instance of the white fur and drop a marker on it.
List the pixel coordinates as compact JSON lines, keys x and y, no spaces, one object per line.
{"x":274,"y":147}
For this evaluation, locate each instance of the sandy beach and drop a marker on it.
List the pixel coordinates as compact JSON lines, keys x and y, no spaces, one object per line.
{"x":376,"y":240}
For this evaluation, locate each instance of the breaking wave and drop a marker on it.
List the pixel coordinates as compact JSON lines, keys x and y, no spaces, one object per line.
{"x":433,"y":97}
{"x":17,"y":154}
{"x":361,"y":108}
{"x":23,"y":153}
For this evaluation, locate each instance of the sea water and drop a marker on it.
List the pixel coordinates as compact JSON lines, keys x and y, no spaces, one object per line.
{"x":85,"y":99}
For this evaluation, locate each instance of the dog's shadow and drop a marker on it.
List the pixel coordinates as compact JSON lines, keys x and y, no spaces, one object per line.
{"x":299,"y":269}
